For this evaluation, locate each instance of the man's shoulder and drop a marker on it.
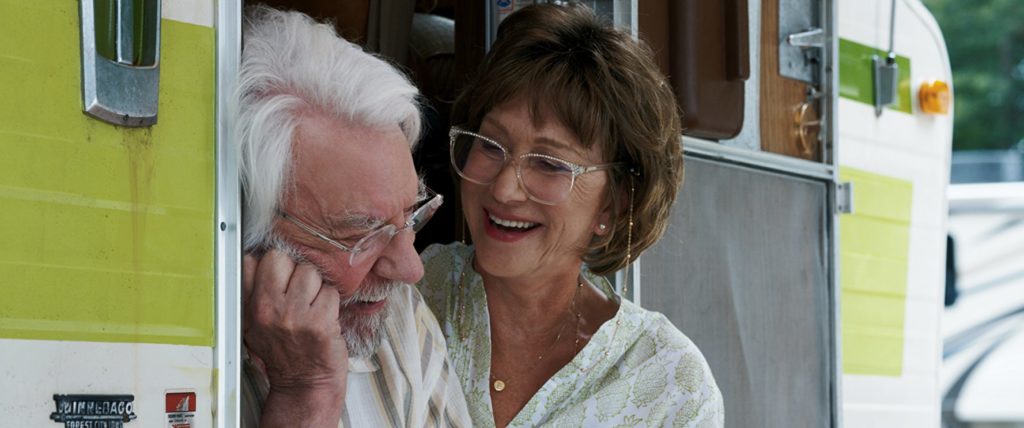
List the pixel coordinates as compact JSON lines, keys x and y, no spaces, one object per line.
{"x":415,"y":350}
{"x":405,"y":297}
{"x":411,"y":321}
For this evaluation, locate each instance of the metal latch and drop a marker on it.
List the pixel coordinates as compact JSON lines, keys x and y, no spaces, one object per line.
{"x":800,"y":54}
{"x":886,"y":72}
{"x":121,"y":60}
{"x":813,"y":38}
{"x":886,"y":77}
{"x":844,"y":198}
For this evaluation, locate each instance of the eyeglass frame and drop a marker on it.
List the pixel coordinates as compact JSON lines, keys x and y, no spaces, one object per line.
{"x":432,"y":202}
{"x":577,"y":169}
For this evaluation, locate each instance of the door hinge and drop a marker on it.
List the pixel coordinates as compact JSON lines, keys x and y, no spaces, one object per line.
{"x":844,"y":198}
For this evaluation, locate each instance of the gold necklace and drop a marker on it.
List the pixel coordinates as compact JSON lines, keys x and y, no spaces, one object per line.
{"x":499,"y":385}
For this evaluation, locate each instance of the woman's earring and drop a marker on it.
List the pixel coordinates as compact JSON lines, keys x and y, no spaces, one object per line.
{"x":602,"y":226}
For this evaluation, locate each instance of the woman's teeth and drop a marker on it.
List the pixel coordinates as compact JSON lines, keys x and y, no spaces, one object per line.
{"x":512,"y":224}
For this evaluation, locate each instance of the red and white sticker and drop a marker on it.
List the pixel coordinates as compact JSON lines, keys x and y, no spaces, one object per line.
{"x":181,"y":409}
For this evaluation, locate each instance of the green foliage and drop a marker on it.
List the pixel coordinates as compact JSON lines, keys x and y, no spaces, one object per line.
{"x":985,"y":39}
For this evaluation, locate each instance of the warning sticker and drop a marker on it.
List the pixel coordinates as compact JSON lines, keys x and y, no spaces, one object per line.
{"x":181,"y":409}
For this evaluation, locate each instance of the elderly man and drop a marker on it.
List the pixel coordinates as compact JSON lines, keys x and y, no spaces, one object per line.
{"x":333,"y":331}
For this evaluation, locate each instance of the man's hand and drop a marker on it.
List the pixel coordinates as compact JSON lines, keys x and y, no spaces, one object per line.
{"x":290,"y":322}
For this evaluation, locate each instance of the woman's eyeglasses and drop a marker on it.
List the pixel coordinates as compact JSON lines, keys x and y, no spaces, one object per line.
{"x":546,"y":179}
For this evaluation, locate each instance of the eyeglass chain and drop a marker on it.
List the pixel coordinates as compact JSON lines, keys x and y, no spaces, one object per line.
{"x":629,"y":232}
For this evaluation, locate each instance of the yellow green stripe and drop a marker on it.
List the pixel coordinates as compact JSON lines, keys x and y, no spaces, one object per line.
{"x":874,"y":248}
{"x":856,"y":75}
{"x":108,"y":233}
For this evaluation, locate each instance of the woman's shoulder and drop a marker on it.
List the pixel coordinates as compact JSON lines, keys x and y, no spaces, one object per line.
{"x":662,"y":355}
{"x":660,"y":379}
{"x":442,"y":263}
{"x":654,"y":336}
{"x":444,"y":251}
{"x":665,"y":334}
{"x":441,"y":260}
{"x":659,"y":339}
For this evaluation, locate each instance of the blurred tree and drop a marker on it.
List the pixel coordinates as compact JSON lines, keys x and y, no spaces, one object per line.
{"x":985,"y":39}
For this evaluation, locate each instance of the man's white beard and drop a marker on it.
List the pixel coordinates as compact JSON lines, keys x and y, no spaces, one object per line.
{"x":362,"y":333}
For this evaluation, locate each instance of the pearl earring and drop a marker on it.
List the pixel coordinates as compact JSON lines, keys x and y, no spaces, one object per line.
{"x":602,"y":226}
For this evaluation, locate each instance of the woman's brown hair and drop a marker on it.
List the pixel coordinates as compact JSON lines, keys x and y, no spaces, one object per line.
{"x":606,"y":88}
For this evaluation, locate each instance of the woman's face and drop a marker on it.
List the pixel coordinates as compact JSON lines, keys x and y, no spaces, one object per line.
{"x":515,"y":236}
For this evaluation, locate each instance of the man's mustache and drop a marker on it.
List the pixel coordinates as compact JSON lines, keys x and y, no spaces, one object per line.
{"x":372,"y":292}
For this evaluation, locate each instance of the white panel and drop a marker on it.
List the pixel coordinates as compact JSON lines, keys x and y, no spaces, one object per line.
{"x":198,"y":12}
{"x":910,"y":390}
{"x":32,"y":371}
{"x":922,"y":316}
{"x":926,"y":272}
{"x":865,"y":22}
{"x":920,"y":134}
{"x":929,"y":178}
{"x":913,"y":147}
{"x":921,"y":352}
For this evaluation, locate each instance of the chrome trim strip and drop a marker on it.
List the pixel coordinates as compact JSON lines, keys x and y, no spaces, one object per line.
{"x":829,"y":155}
{"x":228,"y":218}
{"x":756,"y":159}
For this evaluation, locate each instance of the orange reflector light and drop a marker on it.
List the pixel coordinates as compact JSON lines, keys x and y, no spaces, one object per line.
{"x":934,"y":97}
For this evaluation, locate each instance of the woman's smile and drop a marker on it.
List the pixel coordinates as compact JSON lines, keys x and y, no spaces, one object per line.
{"x":546,"y":237}
{"x":508,"y":228}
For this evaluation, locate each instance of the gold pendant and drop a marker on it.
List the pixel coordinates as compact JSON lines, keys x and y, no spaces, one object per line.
{"x":499,"y":385}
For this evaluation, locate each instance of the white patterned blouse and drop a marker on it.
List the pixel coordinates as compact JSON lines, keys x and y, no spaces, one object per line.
{"x":637,"y":370}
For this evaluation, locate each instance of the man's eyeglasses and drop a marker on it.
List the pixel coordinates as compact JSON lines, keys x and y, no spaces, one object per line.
{"x":374,"y":242}
{"x":546,"y":179}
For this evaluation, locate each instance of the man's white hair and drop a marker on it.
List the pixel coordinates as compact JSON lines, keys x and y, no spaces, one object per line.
{"x":291,"y":64}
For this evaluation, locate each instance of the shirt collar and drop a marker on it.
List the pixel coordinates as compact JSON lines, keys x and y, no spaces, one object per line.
{"x":362,"y":364}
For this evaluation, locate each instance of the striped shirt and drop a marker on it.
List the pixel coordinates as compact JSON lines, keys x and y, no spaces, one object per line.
{"x":408,"y":382}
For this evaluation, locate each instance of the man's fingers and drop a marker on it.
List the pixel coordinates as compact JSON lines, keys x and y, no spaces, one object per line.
{"x":328,"y":301}
{"x":272,"y":274}
{"x":268,"y":289}
{"x":249,"y":263}
{"x":328,"y":304}
{"x":303,"y":285}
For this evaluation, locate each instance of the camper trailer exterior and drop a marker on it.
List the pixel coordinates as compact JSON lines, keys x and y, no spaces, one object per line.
{"x":115,"y":234}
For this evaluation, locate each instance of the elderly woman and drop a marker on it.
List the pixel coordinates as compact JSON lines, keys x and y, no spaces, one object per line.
{"x":567,"y":150}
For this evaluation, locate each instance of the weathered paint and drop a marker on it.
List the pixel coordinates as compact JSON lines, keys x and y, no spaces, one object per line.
{"x":108,"y":232}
